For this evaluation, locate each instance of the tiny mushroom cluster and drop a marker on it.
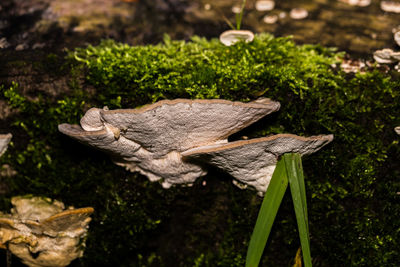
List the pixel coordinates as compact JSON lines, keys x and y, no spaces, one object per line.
{"x":387,"y":55}
{"x":42,"y":233}
{"x":231,"y":37}
{"x":175,"y":140}
{"x":296,"y":13}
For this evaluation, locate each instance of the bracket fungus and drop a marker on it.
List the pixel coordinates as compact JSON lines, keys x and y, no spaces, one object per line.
{"x":150,"y":139}
{"x":252,"y":162}
{"x":231,"y":37}
{"x":4,"y":140}
{"x":42,"y":233}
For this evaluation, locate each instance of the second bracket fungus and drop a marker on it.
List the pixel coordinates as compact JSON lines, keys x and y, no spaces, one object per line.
{"x":151,"y":139}
{"x":252,"y":162}
{"x":42,"y":233}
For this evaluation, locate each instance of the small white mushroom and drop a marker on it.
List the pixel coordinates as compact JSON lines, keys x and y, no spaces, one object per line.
{"x":41,"y":233}
{"x":265,"y":5}
{"x":386,"y":56}
{"x":270,"y":19}
{"x":282,"y":15}
{"x":390,"y":6}
{"x":231,"y":37}
{"x":298,"y":13}
{"x":364,"y":3}
{"x":4,"y":43}
{"x":353,"y":65}
{"x":397,"y":67}
{"x":397,"y":130}
{"x":236,"y":9}
{"x":150,"y":139}
{"x":361,"y":3}
{"x":4,"y":141}
{"x":253,"y":161}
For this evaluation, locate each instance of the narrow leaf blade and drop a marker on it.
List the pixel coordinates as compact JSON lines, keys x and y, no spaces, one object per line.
{"x":266,"y":216}
{"x":295,"y":175}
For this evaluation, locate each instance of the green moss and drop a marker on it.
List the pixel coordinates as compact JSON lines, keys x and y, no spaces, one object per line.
{"x":352,"y":184}
{"x":202,"y":69}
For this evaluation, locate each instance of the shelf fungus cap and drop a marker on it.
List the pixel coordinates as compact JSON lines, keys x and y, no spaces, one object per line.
{"x":150,"y":139}
{"x":231,"y":37}
{"x":4,"y":140}
{"x":252,"y":162}
{"x":386,"y":56}
{"x":181,"y":124}
{"x":42,"y":233}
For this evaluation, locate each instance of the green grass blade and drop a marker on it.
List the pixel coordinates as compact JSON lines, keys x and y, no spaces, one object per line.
{"x":266,"y":216}
{"x":294,"y":171}
{"x":239,"y":16}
